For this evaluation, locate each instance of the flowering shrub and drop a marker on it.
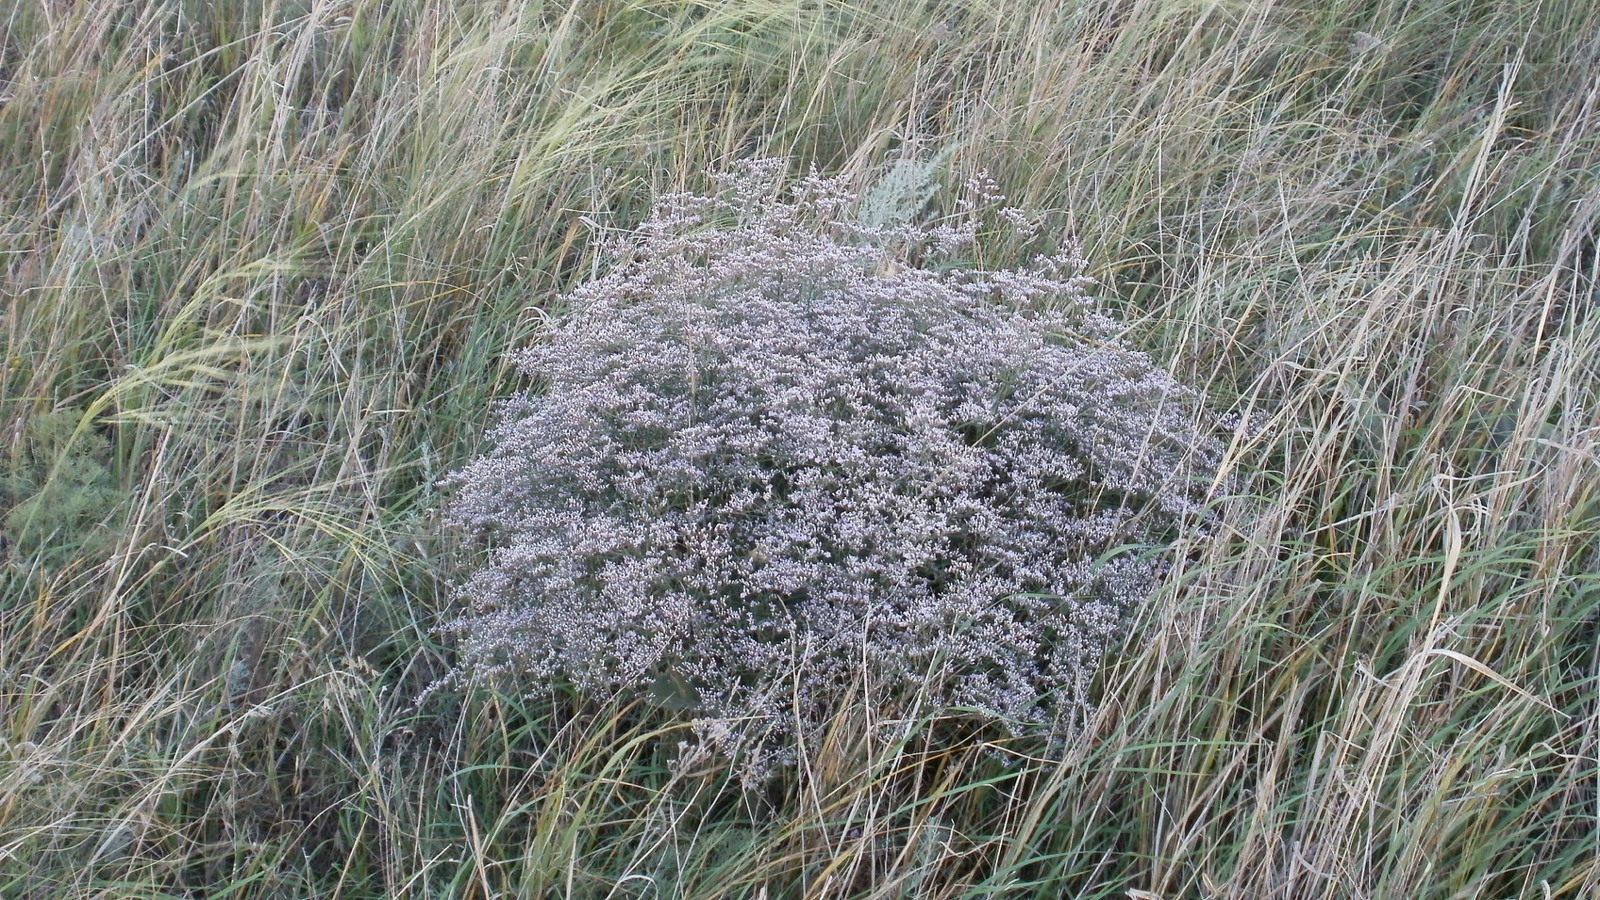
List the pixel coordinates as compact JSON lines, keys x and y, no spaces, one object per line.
{"x":780,"y":452}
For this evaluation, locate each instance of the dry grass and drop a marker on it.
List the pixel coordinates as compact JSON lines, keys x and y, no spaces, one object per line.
{"x":263,"y":260}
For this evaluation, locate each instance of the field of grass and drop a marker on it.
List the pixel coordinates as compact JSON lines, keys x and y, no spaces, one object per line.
{"x":263,"y":260}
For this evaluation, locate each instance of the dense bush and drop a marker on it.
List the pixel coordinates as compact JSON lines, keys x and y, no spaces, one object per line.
{"x":788,"y":449}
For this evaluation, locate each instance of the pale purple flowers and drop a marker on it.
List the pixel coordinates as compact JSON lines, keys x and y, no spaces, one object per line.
{"x":779,"y":454}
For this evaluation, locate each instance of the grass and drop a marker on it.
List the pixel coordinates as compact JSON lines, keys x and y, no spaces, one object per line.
{"x":262,"y":264}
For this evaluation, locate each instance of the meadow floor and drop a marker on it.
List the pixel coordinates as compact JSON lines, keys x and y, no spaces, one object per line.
{"x":263,"y":261}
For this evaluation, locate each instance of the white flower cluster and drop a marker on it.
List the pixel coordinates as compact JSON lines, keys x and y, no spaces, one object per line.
{"x":779,"y":453}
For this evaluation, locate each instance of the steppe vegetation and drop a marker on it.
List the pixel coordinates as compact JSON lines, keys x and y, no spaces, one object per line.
{"x":264,"y":262}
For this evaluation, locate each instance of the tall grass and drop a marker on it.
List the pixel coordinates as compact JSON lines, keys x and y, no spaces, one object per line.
{"x":263,"y":260}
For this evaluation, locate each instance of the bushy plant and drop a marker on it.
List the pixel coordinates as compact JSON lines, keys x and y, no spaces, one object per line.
{"x":784,"y":451}
{"x":60,"y":498}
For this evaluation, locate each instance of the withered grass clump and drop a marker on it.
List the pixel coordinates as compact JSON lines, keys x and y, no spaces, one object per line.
{"x":779,"y":454}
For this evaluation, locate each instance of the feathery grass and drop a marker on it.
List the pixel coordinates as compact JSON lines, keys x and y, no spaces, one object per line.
{"x":263,"y":261}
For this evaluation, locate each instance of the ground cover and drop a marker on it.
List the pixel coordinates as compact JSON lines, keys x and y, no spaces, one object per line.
{"x":263,"y":265}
